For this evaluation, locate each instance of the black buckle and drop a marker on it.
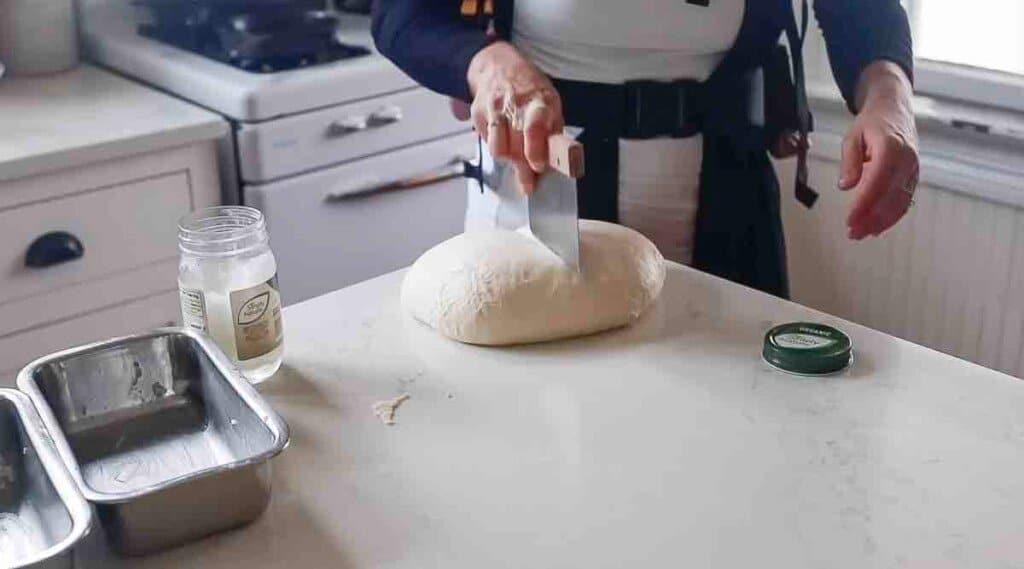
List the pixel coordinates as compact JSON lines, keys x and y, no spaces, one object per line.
{"x":661,"y":108}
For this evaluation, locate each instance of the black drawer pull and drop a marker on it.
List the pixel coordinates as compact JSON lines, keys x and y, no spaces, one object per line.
{"x":52,"y":249}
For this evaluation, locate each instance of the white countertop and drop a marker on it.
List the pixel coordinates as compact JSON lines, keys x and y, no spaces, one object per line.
{"x":87,"y":115}
{"x":669,"y":444}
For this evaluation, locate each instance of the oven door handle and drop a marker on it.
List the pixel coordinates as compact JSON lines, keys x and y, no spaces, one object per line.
{"x":455,"y":168}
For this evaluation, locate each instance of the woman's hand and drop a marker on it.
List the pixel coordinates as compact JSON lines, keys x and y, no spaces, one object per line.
{"x":880,"y":161}
{"x":504,"y":83}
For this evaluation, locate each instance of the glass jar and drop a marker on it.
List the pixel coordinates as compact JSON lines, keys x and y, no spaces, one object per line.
{"x":38,"y":36}
{"x":227,"y":282}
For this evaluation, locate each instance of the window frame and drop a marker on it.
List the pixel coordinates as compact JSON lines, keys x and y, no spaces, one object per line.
{"x":965,"y":83}
{"x":969,"y":84}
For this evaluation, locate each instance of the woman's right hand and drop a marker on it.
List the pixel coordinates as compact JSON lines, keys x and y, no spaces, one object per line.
{"x":500,"y":79}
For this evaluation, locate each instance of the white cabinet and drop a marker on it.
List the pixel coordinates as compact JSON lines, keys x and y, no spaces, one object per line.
{"x":324,"y":240}
{"x":123,"y":213}
{"x":111,"y":227}
{"x":88,"y":223}
{"x":275,"y":149}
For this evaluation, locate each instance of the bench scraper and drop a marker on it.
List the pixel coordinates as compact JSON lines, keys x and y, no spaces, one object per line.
{"x":552,"y":208}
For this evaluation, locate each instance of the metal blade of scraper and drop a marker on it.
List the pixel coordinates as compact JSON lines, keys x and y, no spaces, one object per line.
{"x":553,"y":213}
{"x":492,"y":171}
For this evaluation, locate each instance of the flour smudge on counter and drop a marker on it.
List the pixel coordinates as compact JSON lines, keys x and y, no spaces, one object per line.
{"x":385,"y":410}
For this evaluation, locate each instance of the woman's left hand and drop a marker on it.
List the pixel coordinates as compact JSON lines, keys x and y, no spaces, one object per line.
{"x":880,"y":161}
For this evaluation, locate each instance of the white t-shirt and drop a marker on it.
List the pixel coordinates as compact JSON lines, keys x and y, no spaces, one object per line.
{"x":613,"y":41}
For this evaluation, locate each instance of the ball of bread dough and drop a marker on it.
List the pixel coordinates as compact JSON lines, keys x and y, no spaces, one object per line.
{"x":505,"y":287}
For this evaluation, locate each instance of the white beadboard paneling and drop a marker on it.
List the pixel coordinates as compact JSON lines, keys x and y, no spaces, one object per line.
{"x":937,"y":280}
{"x":1013,"y":307}
{"x":922,"y":221}
{"x":901,"y":266}
{"x":879,"y":255}
{"x":997,"y":285}
{"x":960,"y":242}
{"x":949,"y":276}
{"x":965,"y":339}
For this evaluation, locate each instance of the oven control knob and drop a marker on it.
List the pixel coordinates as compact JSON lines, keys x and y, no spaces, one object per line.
{"x":347,"y":125}
{"x":386,"y":115}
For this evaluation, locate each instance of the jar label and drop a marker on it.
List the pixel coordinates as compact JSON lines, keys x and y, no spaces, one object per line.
{"x":802,"y":341}
{"x":193,"y":309}
{"x":256,"y":312}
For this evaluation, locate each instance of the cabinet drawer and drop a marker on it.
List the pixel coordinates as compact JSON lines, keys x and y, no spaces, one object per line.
{"x":271,"y":150}
{"x":119,"y":228}
{"x":145,"y":314}
{"x":92,"y":296}
{"x":323,"y":244}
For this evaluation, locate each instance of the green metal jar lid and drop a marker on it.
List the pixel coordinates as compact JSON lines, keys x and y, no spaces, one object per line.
{"x":807,"y":348}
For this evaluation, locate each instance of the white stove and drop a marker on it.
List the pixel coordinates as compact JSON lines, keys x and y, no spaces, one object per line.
{"x":110,"y":34}
{"x":325,"y":150}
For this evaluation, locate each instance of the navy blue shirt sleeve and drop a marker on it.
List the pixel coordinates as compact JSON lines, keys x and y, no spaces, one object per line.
{"x":860,"y":32}
{"x":429,"y":40}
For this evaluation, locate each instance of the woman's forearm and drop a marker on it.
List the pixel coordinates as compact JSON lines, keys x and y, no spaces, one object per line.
{"x":430,"y":41}
{"x":883,"y":80}
{"x":861,"y":34}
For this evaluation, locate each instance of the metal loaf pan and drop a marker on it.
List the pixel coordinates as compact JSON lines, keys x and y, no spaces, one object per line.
{"x":161,"y":433}
{"x":42,"y":513}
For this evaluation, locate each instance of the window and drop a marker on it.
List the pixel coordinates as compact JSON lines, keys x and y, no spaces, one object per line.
{"x":987,"y":34}
{"x":970,"y":50}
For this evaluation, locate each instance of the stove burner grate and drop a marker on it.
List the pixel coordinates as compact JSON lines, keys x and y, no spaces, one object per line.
{"x":261,"y":38}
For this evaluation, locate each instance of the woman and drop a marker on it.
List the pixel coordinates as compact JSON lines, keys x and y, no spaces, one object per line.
{"x":664,"y":92}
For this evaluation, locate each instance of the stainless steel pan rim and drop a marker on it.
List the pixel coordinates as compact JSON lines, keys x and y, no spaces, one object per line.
{"x":245,"y":390}
{"x":62,"y":480}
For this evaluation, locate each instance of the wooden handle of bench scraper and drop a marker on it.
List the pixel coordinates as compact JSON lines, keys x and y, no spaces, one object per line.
{"x":565,"y":154}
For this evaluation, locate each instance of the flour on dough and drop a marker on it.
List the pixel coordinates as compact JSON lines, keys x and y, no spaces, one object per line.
{"x":385,"y":410}
{"x":500,"y":287}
